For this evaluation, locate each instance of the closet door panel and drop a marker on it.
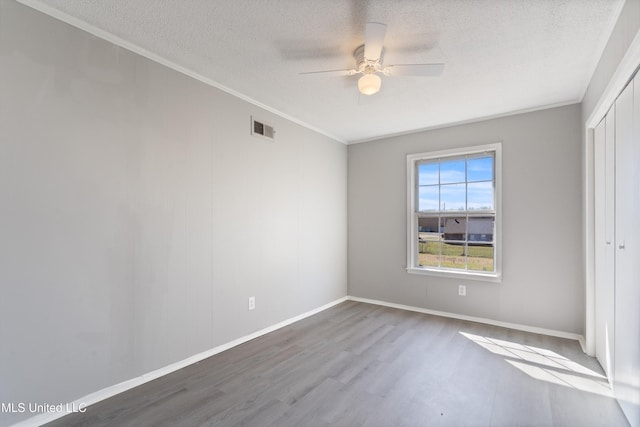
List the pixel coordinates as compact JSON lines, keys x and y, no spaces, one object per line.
{"x":604,"y":254}
{"x":608,"y":301}
{"x":627,"y":254}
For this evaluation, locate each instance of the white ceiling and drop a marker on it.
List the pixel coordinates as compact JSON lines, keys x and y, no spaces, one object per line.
{"x":502,"y":56}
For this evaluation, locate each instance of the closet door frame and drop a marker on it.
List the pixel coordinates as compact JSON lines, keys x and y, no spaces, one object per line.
{"x":626,"y":354}
{"x":624,"y":72}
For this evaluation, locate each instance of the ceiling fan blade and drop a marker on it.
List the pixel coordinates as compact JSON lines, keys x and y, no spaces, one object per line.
{"x":332,"y":72}
{"x":414,"y":70}
{"x":374,"y":40}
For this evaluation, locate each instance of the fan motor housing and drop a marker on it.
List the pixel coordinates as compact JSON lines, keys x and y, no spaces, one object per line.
{"x":362,"y":63}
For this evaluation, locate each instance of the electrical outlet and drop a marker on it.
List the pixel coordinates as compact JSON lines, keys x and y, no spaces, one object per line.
{"x":252,"y":303}
{"x":462,"y":290}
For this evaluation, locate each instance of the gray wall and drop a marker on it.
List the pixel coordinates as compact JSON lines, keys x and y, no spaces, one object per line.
{"x":623,"y":34}
{"x":138,"y":214}
{"x":542,"y":251}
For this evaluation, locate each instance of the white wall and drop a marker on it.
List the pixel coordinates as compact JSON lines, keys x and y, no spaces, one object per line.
{"x":138,"y":214}
{"x":542,"y":278}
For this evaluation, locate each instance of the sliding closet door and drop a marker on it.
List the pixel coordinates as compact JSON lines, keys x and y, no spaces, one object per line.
{"x":627,"y":253}
{"x":604,"y":142}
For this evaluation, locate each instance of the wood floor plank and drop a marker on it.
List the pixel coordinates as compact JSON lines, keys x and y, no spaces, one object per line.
{"x":358,"y":364}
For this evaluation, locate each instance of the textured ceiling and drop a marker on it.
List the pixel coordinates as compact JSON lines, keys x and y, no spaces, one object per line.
{"x":501,"y":56}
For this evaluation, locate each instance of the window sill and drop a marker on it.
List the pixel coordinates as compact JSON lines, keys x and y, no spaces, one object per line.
{"x":492,"y":277}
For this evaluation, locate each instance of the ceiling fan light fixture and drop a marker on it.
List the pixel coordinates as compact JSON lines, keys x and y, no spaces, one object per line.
{"x":369,"y":84}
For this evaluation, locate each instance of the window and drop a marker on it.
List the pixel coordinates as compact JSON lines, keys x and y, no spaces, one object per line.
{"x":453,"y":212}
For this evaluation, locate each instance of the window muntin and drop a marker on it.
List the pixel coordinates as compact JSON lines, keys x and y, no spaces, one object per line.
{"x":453,"y":211}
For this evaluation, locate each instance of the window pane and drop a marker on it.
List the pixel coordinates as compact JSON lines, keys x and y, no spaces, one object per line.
{"x":453,"y":256}
{"x":480,"y":258}
{"x":455,"y":229}
{"x":452,"y":197}
{"x":429,"y":226}
{"x":428,"y":198}
{"x":428,"y":241}
{"x":452,"y":171}
{"x":428,"y":173}
{"x":480,"y":169}
{"x":428,"y":253}
{"x":480,"y":230}
{"x":480,"y":196}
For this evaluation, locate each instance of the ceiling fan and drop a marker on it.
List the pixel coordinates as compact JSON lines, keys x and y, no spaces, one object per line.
{"x":369,"y":62}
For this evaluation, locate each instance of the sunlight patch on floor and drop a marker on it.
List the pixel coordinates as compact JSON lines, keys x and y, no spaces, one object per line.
{"x":545,"y":365}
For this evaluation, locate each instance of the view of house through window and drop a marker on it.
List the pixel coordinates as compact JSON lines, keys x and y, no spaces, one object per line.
{"x":454,"y":211}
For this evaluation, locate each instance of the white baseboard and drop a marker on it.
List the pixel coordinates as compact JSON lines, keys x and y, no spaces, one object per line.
{"x":534,"y":329}
{"x":111,"y":391}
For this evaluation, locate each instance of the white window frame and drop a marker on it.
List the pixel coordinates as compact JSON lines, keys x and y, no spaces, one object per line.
{"x":412,"y":215}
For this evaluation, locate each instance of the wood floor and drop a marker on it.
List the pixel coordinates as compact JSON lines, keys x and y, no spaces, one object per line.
{"x":360,"y":364}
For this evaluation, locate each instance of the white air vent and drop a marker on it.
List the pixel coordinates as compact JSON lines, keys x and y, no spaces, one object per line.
{"x":262,"y":129}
